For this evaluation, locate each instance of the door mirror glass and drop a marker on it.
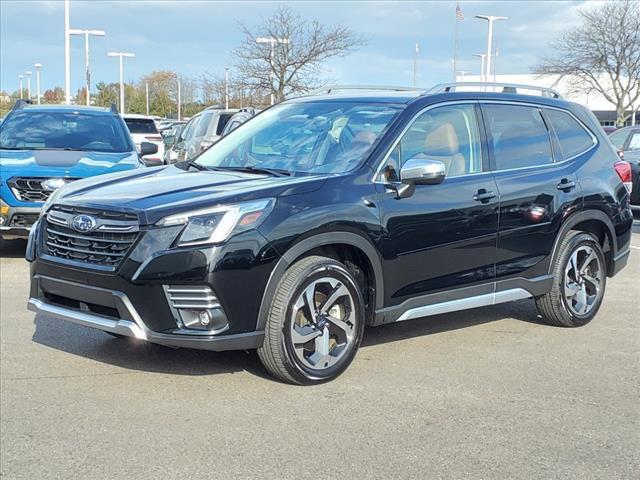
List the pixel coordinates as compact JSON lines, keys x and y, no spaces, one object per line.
{"x":422,"y":171}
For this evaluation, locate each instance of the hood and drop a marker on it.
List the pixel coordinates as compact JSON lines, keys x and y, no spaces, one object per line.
{"x":154,"y":193}
{"x":64,"y":163}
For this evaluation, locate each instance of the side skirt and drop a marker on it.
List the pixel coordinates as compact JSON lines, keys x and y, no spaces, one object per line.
{"x":465,"y":298}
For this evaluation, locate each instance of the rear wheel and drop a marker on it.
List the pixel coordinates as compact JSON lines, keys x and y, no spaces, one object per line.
{"x":315,"y":322}
{"x":579,"y":282}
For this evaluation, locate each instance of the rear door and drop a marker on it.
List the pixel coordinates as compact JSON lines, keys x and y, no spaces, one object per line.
{"x":537,"y":184}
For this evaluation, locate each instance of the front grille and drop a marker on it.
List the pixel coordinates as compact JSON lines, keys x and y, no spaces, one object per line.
{"x":106,"y":245}
{"x":31,"y":189}
{"x":197,"y":297}
{"x":25,"y":220}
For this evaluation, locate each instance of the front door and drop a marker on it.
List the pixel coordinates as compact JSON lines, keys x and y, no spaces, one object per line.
{"x":443,"y":236}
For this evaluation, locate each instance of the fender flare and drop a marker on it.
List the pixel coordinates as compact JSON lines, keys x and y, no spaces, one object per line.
{"x":309,"y":244}
{"x":580,"y":217}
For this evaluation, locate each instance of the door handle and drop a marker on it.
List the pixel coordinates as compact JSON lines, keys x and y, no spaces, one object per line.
{"x":566,"y":185}
{"x":483,"y":196}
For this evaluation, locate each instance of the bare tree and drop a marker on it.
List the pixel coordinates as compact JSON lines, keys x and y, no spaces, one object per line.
{"x":292,"y":62}
{"x":601,"y":55}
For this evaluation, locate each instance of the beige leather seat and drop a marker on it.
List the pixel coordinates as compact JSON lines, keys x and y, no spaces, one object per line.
{"x":441,"y":143}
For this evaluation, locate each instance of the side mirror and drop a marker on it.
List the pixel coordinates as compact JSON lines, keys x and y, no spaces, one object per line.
{"x":419,"y":171}
{"x":422,"y":171}
{"x":148,"y":148}
{"x":169,"y":140}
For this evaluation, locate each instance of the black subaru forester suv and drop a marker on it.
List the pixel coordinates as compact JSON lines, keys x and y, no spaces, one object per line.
{"x":334,"y":211}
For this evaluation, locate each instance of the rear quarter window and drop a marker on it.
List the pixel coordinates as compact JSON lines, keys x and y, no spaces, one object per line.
{"x":572,"y":136}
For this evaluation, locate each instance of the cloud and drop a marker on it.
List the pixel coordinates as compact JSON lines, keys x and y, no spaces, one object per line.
{"x":193,"y":37}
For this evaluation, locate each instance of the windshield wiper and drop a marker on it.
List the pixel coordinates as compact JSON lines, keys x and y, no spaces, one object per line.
{"x":274,"y":172}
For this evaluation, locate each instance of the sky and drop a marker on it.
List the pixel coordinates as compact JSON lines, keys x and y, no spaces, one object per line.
{"x":197,"y":37}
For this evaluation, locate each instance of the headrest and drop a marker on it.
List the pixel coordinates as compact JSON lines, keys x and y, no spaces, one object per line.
{"x":442,"y":140}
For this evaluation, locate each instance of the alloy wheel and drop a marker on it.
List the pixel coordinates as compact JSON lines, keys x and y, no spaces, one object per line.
{"x":323,"y":324}
{"x":583,"y":280}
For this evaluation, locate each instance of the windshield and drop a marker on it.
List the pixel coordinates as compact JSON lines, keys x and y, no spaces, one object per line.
{"x":141,"y":125}
{"x":310,"y":137}
{"x":40,"y":130}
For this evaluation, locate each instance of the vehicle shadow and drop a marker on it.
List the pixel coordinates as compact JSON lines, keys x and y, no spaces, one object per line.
{"x":138,"y":355}
{"x":523,"y":311}
{"x":12,"y":248}
{"x":135,"y":354}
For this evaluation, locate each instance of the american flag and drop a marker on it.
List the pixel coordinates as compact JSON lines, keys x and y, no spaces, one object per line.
{"x":459,"y":14}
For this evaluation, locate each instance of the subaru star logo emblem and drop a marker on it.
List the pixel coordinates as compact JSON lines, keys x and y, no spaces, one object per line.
{"x":84,"y":223}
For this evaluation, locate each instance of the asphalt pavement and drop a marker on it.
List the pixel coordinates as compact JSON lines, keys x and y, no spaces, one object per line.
{"x":489,"y":393}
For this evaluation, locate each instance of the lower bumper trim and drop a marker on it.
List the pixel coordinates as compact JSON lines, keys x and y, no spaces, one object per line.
{"x":241,"y":341}
{"x":15,"y":232}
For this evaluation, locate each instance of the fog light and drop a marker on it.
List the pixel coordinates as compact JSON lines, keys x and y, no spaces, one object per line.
{"x":205,"y":318}
{"x":2,"y":220}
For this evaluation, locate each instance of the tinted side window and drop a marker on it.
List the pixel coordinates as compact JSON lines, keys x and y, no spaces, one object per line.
{"x":573,"y":138}
{"x":201,"y":129}
{"x":619,"y":138}
{"x":519,"y":136}
{"x":449,"y":134}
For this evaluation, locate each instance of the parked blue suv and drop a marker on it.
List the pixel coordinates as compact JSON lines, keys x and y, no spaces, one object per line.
{"x":43,"y":147}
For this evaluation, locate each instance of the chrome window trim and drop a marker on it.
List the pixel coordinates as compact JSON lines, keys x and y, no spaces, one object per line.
{"x":540,"y":106}
{"x":375,"y":178}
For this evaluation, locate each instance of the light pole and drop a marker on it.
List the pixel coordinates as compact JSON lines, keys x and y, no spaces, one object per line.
{"x":28,"y":74}
{"x":67,"y":56}
{"x":272,"y":41}
{"x":482,"y":57}
{"x":121,"y":55}
{"x":490,"y":19}
{"x":86,"y":33}
{"x":38,"y":67}
{"x":146,"y":96}
{"x":226,"y":88}
{"x":179,"y":101}
{"x":20,"y":81}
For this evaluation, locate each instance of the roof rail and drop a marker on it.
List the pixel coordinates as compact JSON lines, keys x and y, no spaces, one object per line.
{"x":21,"y":103}
{"x":385,"y":88}
{"x":113,"y":108}
{"x":492,"y":86}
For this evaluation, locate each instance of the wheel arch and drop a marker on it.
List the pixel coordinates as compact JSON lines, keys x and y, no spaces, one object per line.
{"x":337,"y":245}
{"x":595,"y":222}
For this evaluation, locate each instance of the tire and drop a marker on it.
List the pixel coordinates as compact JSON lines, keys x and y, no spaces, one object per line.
{"x":566,"y":305}
{"x":334,"y":331}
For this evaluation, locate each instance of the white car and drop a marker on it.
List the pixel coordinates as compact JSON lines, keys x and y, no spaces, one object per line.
{"x":144,"y":129}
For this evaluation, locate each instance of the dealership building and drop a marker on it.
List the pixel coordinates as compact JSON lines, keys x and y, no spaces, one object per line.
{"x":604,"y":110}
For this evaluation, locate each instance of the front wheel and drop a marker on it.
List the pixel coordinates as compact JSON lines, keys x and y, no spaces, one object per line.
{"x":579,"y":282}
{"x":315,"y":322}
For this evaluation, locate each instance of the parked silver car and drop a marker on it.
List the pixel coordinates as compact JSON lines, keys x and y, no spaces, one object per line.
{"x":202,"y":131}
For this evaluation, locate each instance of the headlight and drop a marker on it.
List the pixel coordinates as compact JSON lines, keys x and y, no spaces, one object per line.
{"x":49,"y":201}
{"x":215,"y":225}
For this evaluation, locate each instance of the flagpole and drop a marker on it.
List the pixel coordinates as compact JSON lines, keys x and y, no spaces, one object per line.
{"x":455,"y":45}
{"x":415,"y":64}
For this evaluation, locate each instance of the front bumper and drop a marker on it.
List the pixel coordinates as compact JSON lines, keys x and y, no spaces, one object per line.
{"x":14,"y":225}
{"x":136,"y":328}
{"x":144,"y":297}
